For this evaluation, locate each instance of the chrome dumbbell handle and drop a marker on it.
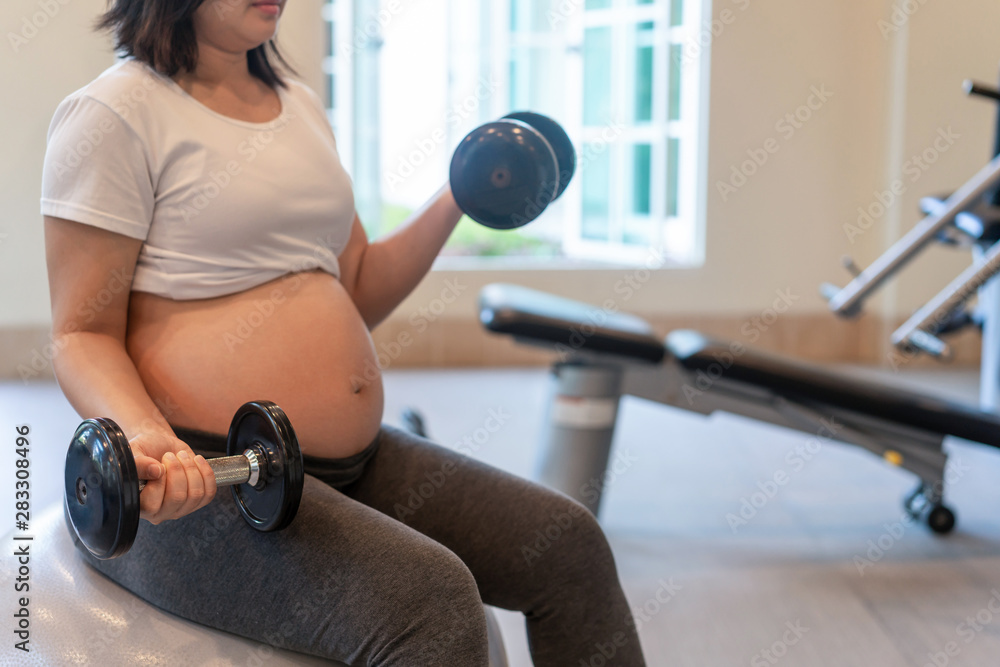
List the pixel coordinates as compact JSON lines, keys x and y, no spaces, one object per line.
{"x":231,"y":470}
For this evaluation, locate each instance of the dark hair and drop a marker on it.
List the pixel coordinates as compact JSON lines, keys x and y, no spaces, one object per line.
{"x":160,"y":33}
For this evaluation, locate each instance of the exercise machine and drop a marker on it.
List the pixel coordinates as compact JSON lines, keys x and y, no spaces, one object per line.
{"x":967,"y":218}
{"x":605,"y":355}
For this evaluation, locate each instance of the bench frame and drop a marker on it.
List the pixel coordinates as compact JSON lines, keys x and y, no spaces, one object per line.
{"x":583,"y":413}
{"x":622,"y":357}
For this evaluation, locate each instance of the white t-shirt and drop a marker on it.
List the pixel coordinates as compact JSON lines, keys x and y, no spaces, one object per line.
{"x":223,"y":205}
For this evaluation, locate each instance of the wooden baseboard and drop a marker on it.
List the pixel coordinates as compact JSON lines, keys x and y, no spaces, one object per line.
{"x":25,"y":354}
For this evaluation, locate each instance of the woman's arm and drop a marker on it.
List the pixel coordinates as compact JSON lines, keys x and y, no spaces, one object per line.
{"x":90,"y":278}
{"x":379,"y":275}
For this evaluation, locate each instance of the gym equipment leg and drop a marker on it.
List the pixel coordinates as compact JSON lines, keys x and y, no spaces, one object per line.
{"x":989,"y":304}
{"x":582,"y":415}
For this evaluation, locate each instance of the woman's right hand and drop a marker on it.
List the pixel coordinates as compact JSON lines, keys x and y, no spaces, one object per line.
{"x":177,"y":481}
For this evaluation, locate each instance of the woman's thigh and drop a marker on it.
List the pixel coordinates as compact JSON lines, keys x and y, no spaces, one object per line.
{"x":343,"y":582}
{"x":520,"y":540}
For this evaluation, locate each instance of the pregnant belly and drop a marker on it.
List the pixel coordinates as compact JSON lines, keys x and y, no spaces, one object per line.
{"x":298,"y":341}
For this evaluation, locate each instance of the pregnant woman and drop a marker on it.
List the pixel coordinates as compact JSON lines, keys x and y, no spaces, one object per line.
{"x":204,"y":251}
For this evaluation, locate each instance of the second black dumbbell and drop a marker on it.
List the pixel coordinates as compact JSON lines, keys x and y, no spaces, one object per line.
{"x":505,"y":173}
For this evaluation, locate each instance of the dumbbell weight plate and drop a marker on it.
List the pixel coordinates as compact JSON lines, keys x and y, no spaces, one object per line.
{"x":558,"y":140}
{"x":102,"y":489}
{"x":273,"y":502}
{"x":503,"y":174}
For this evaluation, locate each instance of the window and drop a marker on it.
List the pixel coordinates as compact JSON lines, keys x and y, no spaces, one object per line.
{"x":408,"y":80}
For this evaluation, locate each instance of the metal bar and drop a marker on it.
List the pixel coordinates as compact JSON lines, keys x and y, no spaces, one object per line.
{"x":849,"y":300}
{"x":989,"y":308}
{"x":926,"y":463}
{"x":229,"y":470}
{"x":981,"y":89}
{"x":960,"y":290}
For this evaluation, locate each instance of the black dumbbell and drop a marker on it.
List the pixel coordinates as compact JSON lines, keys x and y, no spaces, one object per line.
{"x":558,"y":140}
{"x":505,"y":173}
{"x":264,"y":469}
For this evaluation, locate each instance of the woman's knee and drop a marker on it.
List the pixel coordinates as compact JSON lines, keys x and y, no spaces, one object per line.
{"x":434,"y":612}
{"x":438,"y":579}
{"x":569,"y":541}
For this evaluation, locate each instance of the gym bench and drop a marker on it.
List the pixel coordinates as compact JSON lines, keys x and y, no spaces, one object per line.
{"x":604,"y":356}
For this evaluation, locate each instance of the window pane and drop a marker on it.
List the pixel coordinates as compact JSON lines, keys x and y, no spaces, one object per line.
{"x":596,"y":193}
{"x":644,"y":72}
{"x":530,"y":15}
{"x":597,"y":76}
{"x":641,"y":161}
{"x":637,"y":231}
{"x":675,"y":82}
{"x":522,"y":60}
{"x":638,"y":224}
{"x":673,"y":162}
{"x":676,"y":12}
{"x":532,"y":70}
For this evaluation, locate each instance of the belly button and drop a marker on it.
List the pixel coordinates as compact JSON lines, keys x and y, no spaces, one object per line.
{"x":359,"y":384}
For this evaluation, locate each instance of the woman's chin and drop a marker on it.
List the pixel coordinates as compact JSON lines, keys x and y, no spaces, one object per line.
{"x":260,"y":38}
{"x":260,"y":30}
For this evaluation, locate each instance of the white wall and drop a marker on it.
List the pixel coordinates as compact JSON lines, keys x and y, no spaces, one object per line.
{"x":782,"y":230}
{"x":58,"y":58}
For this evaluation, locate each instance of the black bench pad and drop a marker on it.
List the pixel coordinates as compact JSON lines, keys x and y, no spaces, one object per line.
{"x":533,"y":315}
{"x":800,"y":381}
{"x":536,"y":316}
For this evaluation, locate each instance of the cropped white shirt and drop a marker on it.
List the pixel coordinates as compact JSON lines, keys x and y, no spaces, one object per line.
{"x":222,"y":205}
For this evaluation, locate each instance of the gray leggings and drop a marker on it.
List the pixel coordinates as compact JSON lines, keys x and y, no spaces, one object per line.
{"x":388,"y":562}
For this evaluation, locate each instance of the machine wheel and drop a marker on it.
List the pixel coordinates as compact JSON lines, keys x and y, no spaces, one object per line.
{"x":941,"y":519}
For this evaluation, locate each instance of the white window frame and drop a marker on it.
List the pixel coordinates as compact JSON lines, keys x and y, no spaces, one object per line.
{"x":622,"y":17}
